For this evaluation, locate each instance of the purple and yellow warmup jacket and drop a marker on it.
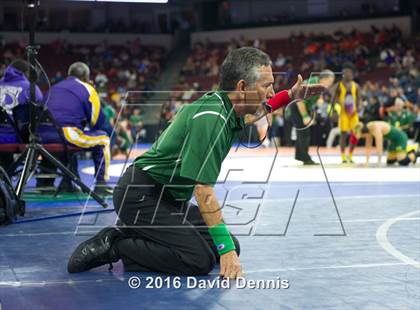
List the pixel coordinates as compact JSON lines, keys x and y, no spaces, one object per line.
{"x":74,"y":103}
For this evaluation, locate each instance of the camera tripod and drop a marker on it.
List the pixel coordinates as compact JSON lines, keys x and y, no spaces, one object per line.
{"x":34,"y":149}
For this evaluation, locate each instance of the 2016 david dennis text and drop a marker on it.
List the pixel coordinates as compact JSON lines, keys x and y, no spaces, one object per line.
{"x":239,"y":283}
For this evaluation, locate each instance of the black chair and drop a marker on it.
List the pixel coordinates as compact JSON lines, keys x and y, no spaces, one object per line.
{"x":51,"y":137}
{"x":10,"y":140}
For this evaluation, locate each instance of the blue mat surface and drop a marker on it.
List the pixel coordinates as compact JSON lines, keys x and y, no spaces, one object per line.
{"x":371,"y":264}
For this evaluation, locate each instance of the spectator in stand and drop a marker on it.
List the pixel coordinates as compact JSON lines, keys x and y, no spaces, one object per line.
{"x":372,"y":110}
{"x":137,"y":125}
{"x":124,"y":139}
{"x":408,"y":60}
{"x":280,"y":60}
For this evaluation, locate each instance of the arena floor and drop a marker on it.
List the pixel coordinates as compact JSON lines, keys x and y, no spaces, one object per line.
{"x":354,"y":247}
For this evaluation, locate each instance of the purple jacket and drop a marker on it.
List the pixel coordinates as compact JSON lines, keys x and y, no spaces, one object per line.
{"x":15,"y":89}
{"x":74,"y":103}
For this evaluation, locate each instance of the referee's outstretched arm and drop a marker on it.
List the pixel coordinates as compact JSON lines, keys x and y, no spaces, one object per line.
{"x":299,"y":90}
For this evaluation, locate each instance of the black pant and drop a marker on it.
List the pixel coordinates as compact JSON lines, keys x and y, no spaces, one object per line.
{"x":163,"y":235}
{"x":6,"y":160}
{"x":303,"y":137}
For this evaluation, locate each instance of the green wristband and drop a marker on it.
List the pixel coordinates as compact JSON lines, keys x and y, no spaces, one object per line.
{"x":221,"y":238}
{"x":305,"y":115}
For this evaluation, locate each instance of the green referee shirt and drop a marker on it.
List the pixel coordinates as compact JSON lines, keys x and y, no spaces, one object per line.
{"x":311,"y":101}
{"x":191,"y":150}
{"x":399,"y":120}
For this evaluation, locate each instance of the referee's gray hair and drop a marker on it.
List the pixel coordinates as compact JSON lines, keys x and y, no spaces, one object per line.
{"x":80,"y":70}
{"x":242,"y":64}
{"x":326,"y":74}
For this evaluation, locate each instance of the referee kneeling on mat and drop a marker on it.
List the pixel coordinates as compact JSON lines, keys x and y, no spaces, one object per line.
{"x":162,"y":231}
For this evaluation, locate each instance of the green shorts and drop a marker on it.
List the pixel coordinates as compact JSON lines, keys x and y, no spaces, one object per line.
{"x":398,"y":140}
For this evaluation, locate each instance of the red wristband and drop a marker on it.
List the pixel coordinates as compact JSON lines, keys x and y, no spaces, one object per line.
{"x":279,"y":100}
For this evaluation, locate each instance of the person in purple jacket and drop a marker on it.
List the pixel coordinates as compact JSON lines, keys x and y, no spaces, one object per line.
{"x":14,"y":92}
{"x":76,"y":108}
{"x":15,"y":86}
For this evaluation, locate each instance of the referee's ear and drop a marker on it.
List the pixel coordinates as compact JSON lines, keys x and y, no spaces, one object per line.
{"x":241,"y":88}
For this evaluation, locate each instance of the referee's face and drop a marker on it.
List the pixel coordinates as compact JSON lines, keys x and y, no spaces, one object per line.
{"x":263,"y":89}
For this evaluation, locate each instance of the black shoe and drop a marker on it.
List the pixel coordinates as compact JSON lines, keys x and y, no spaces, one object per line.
{"x":309,"y":163}
{"x":103,"y":189}
{"x":95,"y":252}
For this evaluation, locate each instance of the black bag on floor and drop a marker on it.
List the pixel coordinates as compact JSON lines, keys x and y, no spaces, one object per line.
{"x":10,"y":205}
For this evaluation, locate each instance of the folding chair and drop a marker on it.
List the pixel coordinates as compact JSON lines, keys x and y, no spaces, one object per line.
{"x":50,"y":136}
